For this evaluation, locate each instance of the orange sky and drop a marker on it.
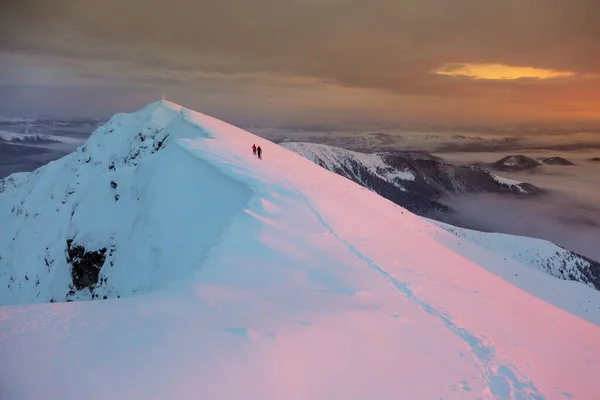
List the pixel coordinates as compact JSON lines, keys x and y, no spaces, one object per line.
{"x":268,"y":61}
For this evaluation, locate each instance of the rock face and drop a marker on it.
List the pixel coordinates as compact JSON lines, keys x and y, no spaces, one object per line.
{"x":515,"y":163}
{"x":85,"y":265}
{"x":413,"y":183}
{"x":557,"y":161}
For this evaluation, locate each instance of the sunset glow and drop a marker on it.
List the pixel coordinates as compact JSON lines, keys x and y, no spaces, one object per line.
{"x":499,"y":72}
{"x":281,"y":64}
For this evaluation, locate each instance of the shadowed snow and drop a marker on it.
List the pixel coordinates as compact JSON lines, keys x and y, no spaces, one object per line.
{"x":275,"y":278}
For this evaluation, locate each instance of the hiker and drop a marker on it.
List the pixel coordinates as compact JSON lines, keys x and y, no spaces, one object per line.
{"x":254,"y":149}
{"x":259,"y":150}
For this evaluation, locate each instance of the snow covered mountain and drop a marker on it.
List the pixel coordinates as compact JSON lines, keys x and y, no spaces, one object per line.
{"x":266,"y":279}
{"x":413,"y":183}
{"x":557,"y":161}
{"x":515,"y":163}
{"x":416,"y":184}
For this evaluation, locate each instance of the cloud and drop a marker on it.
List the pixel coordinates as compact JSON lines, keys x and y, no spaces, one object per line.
{"x":499,"y":72}
{"x":568,"y":222}
{"x":381,"y":46}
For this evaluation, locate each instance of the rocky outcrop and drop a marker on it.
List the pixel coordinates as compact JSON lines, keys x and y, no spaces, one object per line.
{"x":85,"y":265}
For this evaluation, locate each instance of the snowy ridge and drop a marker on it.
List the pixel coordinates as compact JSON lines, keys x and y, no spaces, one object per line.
{"x":536,"y":253}
{"x":332,"y":157}
{"x":508,"y":182}
{"x":273,"y":278}
{"x":434,"y":177}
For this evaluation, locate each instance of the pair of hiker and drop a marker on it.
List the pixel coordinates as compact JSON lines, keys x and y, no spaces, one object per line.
{"x":257,"y":150}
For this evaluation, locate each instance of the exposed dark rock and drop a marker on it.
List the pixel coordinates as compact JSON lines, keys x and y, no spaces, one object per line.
{"x":85,"y":265}
{"x":515,"y":163}
{"x":160,"y":143}
{"x":595,"y":160}
{"x":113,"y":184}
{"x":557,"y":161}
{"x":589,"y":268}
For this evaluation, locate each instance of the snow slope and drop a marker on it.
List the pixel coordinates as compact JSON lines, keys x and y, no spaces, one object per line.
{"x":402,"y":170}
{"x":416,"y":184}
{"x":331,"y":157}
{"x":267,"y":279}
{"x":508,"y":182}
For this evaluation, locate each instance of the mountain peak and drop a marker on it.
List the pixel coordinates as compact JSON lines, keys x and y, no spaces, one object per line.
{"x":229,"y":264}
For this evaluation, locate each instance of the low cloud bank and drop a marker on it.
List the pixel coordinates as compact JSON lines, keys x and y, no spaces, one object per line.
{"x":571,"y":223}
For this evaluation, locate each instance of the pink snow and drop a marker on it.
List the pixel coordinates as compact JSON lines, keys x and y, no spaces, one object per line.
{"x":318,"y":289}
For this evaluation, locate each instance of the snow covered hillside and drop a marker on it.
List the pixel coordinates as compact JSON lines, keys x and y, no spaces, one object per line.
{"x":265,"y":279}
{"x":413,"y":183}
{"x":417,"y":185}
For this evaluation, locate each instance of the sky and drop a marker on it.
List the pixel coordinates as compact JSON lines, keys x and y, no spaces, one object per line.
{"x":272,"y":62}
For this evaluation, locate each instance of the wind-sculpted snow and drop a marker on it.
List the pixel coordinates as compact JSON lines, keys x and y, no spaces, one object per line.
{"x":101,"y":200}
{"x":267,"y":279}
{"x":501,"y":379}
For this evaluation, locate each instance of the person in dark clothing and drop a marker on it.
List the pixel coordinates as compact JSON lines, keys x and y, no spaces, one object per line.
{"x":259,"y":150}
{"x":254,"y":149}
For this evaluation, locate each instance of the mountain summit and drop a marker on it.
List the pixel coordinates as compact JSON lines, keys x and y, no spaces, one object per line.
{"x":226,"y":276}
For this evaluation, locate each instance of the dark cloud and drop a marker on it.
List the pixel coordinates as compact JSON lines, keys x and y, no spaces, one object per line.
{"x":388,"y":45}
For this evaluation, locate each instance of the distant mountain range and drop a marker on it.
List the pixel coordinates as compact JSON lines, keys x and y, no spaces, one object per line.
{"x":416,"y":181}
{"x":26,"y":144}
{"x":523,"y":163}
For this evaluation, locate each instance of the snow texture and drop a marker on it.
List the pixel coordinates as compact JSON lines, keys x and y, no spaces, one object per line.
{"x":267,"y":279}
{"x":332,"y":156}
{"x":508,"y":182}
{"x":431,"y":178}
